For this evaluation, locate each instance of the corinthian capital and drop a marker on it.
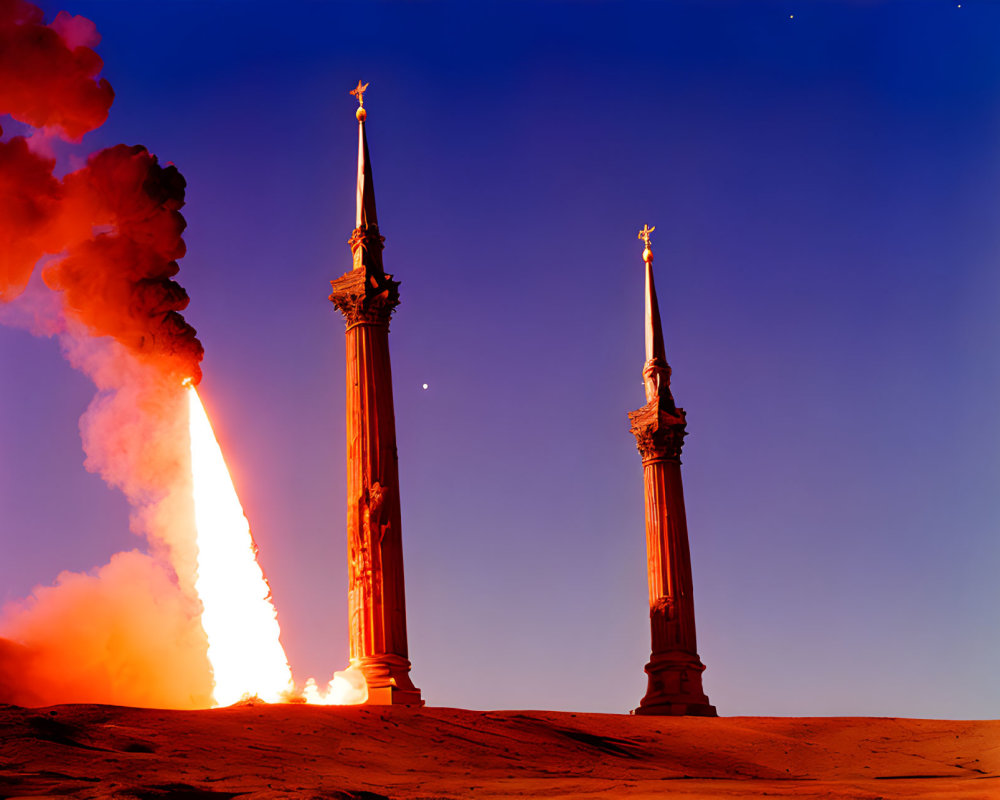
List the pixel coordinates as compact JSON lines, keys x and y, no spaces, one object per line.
{"x":659,"y":432}
{"x":365,"y":296}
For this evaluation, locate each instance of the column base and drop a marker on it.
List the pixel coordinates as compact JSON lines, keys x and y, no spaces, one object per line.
{"x":674,"y":687}
{"x":677,"y":710}
{"x":393,"y":696}
{"x":388,"y":680}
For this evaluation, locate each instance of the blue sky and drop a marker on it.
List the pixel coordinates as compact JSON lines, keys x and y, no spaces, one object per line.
{"x":825,"y":183}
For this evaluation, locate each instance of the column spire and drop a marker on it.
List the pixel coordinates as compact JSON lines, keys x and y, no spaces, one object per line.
{"x":674,"y":668}
{"x":366,"y":242}
{"x":656,"y":371}
{"x":366,"y":296}
{"x":366,"y":187}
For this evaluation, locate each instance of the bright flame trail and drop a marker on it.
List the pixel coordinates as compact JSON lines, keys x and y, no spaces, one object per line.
{"x":239,"y":617}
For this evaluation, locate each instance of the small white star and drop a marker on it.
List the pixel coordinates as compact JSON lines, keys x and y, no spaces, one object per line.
{"x":425,"y":385}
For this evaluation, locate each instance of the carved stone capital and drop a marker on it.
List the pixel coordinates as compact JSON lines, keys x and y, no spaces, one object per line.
{"x":365,"y":296}
{"x":659,"y":432}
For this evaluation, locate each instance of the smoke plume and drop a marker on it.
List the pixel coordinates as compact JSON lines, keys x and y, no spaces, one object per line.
{"x":119,"y":282}
{"x":30,"y":199}
{"x":122,"y":635}
{"x":48,"y":73}
{"x":116,"y":225}
{"x":106,"y":238}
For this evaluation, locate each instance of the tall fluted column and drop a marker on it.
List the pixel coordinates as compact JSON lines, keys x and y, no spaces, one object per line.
{"x":674,"y":668}
{"x":366,"y":296}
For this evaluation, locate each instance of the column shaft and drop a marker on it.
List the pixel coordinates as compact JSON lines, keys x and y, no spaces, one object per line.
{"x":376,"y":593}
{"x":671,"y":600}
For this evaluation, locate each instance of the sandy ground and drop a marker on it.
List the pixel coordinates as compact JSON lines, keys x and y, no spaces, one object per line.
{"x":307,"y":752}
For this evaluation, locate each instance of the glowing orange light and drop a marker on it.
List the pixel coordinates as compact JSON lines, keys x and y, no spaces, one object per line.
{"x":238,"y":616}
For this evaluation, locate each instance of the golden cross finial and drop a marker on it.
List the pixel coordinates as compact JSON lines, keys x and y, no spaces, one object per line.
{"x":647,"y":254}
{"x":359,"y":92}
{"x":644,"y":234}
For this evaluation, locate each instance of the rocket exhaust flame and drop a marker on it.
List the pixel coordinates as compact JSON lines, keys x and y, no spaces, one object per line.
{"x":238,"y":617}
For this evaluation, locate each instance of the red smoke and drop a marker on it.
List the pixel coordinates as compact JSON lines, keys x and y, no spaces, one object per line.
{"x":29,"y":205}
{"x":118,"y":283}
{"x":48,"y":73}
{"x":117,"y":280}
{"x":130,"y":632}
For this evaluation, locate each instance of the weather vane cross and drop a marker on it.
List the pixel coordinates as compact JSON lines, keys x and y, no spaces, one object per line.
{"x":644,"y":234}
{"x":359,"y":92}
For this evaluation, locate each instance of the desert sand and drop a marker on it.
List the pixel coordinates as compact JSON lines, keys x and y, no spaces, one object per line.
{"x":292,"y":751}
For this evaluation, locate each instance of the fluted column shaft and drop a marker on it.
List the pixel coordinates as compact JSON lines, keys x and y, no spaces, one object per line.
{"x":671,"y":600}
{"x":674,"y":670}
{"x":377,"y":598}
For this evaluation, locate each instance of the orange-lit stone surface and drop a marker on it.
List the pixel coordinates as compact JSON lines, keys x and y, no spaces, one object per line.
{"x":376,"y":596}
{"x":674,"y":668}
{"x":368,"y":753}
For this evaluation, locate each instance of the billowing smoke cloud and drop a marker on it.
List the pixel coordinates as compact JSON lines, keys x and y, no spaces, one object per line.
{"x":30,"y":198}
{"x":118,"y":226}
{"x":102,"y":637}
{"x":123,"y":635}
{"x":119,"y":283}
{"x":49,"y":72}
{"x":135,"y":435}
{"x":108,"y":236}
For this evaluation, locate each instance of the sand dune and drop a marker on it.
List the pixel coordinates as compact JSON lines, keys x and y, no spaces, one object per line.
{"x":282,"y":751}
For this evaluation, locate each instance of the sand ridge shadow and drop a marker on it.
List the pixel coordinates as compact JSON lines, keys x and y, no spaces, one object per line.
{"x":173,"y":791}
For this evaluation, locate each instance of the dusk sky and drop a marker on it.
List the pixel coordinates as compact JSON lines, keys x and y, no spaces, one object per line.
{"x":824,"y":179}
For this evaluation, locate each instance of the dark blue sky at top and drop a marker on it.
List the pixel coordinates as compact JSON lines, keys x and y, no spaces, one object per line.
{"x":826,"y":191}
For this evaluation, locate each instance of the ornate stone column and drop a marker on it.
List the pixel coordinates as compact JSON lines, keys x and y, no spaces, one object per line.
{"x":674,"y":669}
{"x":376,"y":598}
